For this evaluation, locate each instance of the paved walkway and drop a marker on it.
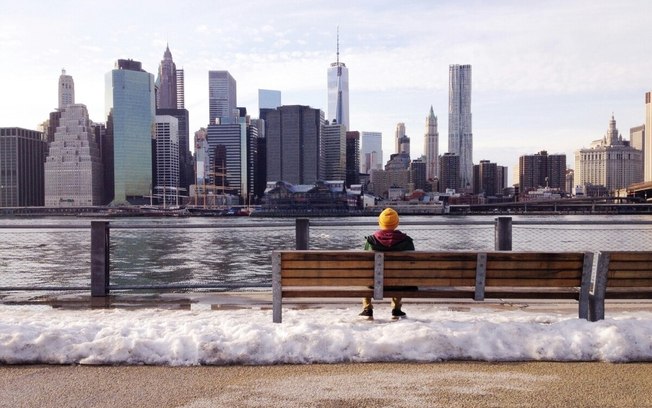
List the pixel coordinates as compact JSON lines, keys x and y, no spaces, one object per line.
{"x":450,"y":384}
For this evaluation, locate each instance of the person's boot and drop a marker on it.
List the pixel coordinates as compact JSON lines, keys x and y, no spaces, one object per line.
{"x":398,"y":314}
{"x":367,"y":313}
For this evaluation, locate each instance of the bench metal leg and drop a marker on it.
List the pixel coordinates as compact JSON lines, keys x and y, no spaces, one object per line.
{"x":277,"y":289}
{"x":585,"y":287}
{"x":597,"y":296}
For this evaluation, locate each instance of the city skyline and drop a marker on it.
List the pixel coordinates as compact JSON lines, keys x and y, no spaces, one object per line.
{"x":545,"y":76}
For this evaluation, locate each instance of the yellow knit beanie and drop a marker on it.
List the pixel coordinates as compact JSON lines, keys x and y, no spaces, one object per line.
{"x":388,"y":219}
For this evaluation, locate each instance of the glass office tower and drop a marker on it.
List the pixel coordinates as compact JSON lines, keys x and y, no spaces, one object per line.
{"x":130,"y":103}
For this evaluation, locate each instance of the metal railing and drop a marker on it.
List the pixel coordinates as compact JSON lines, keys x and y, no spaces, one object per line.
{"x":230,"y":256}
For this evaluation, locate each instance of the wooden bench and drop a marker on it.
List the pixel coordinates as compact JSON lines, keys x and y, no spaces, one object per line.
{"x":620,"y":275}
{"x":422,"y":274}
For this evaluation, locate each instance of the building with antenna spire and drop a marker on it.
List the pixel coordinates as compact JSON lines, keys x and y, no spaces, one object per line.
{"x":338,"y":90}
{"x":431,"y":146}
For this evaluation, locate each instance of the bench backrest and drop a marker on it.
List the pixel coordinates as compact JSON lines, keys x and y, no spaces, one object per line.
{"x":326,"y":268}
{"x":415,"y":268}
{"x":630,"y":270}
{"x":535,"y":269}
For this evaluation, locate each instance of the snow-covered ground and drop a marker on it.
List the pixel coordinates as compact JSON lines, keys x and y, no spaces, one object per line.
{"x":40,"y":334}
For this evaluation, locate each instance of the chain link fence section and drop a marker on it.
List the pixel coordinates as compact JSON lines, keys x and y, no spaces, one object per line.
{"x":426,"y":236}
{"x":196,"y":258}
{"x":38,"y":258}
{"x":588,"y":237}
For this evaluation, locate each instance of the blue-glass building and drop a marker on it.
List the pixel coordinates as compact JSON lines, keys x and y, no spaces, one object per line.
{"x":130,"y":107}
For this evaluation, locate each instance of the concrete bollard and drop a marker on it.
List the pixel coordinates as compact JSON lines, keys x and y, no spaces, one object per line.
{"x":503,"y":234}
{"x":302,"y":233}
{"x":100,"y":258}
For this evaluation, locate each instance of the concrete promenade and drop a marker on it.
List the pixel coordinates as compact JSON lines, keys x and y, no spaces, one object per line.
{"x":449,"y":384}
{"x":442,"y":384}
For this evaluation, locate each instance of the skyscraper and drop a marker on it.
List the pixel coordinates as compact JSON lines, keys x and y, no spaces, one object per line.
{"x":486,"y":179}
{"x":449,"y":172}
{"x":431,"y":146}
{"x":460,"y":134}
{"x":73,"y":168}
{"x":269,"y":99}
{"x":338,"y":90}
{"x":66,"y":90}
{"x":293,"y":144}
{"x":541,"y":170}
{"x":181,"y":89}
{"x":222,"y":101}
{"x":167,"y":183}
{"x":22,"y":154}
{"x":167,"y":79}
{"x":371,"y":151}
{"x":333,"y":148}
{"x":399,"y":132}
{"x":170,"y":102}
{"x":130,"y":98}
{"x":352,"y":158}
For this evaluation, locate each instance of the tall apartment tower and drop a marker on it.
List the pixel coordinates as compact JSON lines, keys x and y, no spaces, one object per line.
{"x":431,"y":146}
{"x":338,"y":90}
{"x":293,"y":144}
{"x":541,"y":170}
{"x":166,"y":186}
{"x":333,"y":150}
{"x":222,"y":93}
{"x":66,"y":90}
{"x":486,"y":179}
{"x":167,"y":79}
{"x":73,"y":168}
{"x":130,"y":109}
{"x":371,"y":151}
{"x":22,"y":154}
{"x":647,"y":145}
{"x":449,"y":172}
{"x":609,"y":162}
{"x":352,"y":158}
{"x":399,"y":132}
{"x":460,"y":134}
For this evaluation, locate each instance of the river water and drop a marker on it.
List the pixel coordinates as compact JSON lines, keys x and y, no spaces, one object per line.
{"x":235,"y":251}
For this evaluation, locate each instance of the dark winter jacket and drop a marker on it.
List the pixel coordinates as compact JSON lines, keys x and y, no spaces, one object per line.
{"x":389,"y":240}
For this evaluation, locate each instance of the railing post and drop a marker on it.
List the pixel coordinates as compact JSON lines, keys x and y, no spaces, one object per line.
{"x":503,"y":234}
{"x":100,"y":258}
{"x":302,"y":233}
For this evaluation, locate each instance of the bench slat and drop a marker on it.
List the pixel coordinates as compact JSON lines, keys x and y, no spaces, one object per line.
{"x":536,"y":265}
{"x":327,"y":255}
{"x":357,"y":293}
{"x":515,"y":282}
{"x":618,"y":256}
{"x":332,"y":263}
{"x":429,"y":273}
{"x":326,"y":273}
{"x":428,"y":263}
{"x":428,"y":282}
{"x":645,"y":266}
{"x":327,"y":281}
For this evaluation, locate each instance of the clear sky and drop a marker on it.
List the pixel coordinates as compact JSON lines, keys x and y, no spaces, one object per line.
{"x":547,"y":75}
